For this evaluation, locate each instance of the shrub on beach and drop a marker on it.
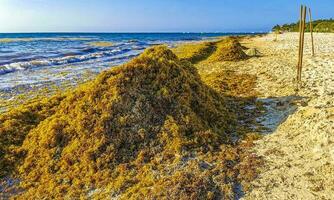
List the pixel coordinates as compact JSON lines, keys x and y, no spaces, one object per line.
{"x":147,"y":129}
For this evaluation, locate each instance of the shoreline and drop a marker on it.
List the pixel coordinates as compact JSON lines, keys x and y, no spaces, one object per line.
{"x":21,"y":94}
{"x":298,"y":126}
{"x":293,"y":131}
{"x":176,"y":87}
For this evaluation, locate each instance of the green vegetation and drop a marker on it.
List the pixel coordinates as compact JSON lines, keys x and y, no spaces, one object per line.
{"x":326,"y":26}
{"x":151,"y":128}
{"x":322,"y":25}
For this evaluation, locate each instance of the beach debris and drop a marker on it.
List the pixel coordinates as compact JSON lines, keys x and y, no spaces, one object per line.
{"x":228,"y":49}
{"x":195,"y":52}
{"x":101,"y":44}
{"x":15,"y":125}
{"x":253,"y":52}
{"x":145,"y":129}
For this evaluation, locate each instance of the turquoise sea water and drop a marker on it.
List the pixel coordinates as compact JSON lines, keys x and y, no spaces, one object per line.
{"x":33,"y":60}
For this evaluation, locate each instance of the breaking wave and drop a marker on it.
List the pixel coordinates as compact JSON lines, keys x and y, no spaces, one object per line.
{"x":67,"y":59}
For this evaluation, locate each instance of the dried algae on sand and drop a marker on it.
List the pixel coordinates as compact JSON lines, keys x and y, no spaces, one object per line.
{"x":228,"y":49}
{"x":15,"y":125}
{"x":150,"y":128}
{"x":195,"y":52}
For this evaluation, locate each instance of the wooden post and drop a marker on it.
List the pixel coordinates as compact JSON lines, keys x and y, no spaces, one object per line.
{"x":302,"y":26}
{"x":311,"y":30}
{"x":300,"y":40}
{"x":302,"y":47}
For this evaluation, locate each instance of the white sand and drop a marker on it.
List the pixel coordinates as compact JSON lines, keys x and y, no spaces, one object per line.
{"x":299,"y":150}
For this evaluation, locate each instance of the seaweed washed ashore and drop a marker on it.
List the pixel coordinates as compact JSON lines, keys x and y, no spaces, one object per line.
{"x":42,"y":63}
{"x":151,"y":128}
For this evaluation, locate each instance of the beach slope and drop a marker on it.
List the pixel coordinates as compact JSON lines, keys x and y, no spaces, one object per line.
{"x":299,"y":148}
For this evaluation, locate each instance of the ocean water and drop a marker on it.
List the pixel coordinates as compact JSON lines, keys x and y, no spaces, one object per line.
{"x":33,"y":60}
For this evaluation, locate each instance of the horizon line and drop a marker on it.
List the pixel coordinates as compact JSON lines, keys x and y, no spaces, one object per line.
{"x":140,"y":32}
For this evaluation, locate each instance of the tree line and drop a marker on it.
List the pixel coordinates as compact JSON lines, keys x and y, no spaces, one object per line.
{"x":321,"y":25}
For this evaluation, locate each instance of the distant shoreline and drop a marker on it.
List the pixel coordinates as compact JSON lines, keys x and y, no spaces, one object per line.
{"x":243,"y":33}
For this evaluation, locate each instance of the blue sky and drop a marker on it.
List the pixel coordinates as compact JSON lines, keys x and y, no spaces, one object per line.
{"x":153,"y":15}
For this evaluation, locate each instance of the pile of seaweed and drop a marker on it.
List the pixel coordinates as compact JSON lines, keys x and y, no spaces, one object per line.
{"x":15,"y":125}
{"x":148,"y":129}
{"x":228,"y":49}
{"x":195,"y":52}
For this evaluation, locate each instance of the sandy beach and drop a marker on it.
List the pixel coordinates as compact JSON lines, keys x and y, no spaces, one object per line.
{"x":298,"y":126}
{"x":167,"y":100}
{"x":296,"y":147}
{"x":299,"y":149}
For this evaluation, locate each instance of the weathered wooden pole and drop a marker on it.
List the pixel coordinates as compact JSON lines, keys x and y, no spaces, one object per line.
{"x":302,"y":26}
{"x":300,"y":40}
{"x":302,"y":47}
{"x":311,"y":30}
